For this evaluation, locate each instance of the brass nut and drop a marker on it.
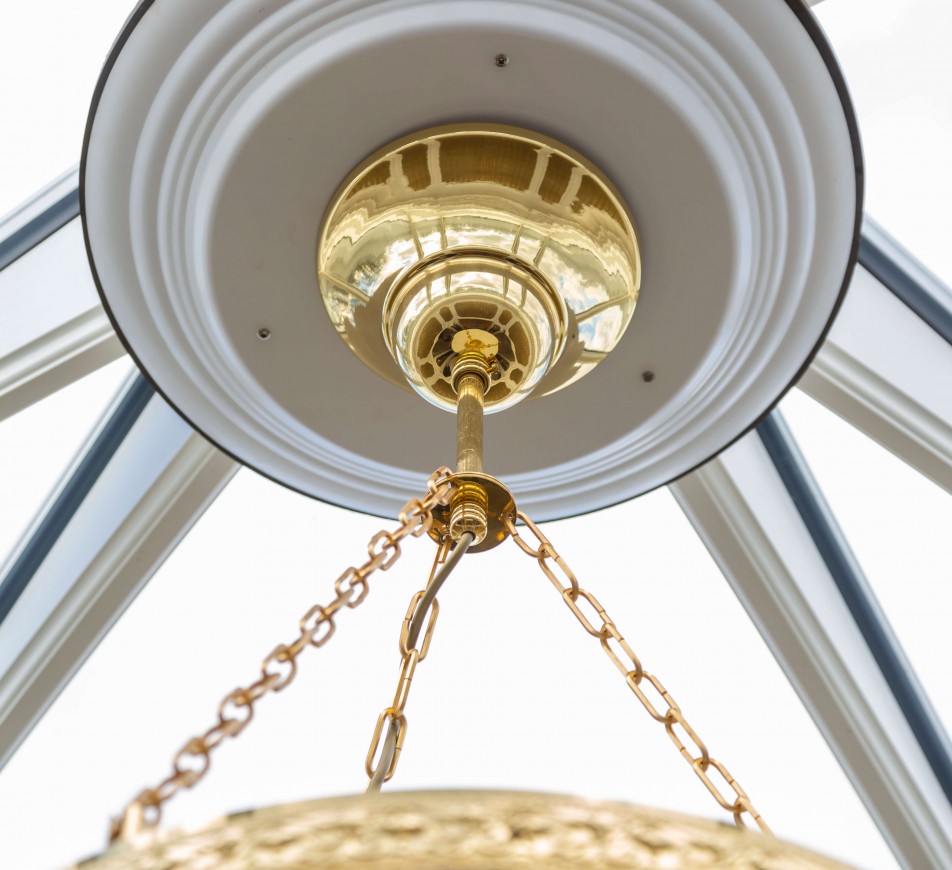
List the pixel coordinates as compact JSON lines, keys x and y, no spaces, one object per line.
{"x":469,"y":512}
{"x":500,"y":505}
{"x":472,"y":362}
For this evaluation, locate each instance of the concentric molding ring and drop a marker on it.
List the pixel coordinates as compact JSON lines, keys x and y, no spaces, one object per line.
{"x":764,"y":186}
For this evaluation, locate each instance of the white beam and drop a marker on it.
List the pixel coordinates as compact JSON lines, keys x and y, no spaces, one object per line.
{"x":54,"y":329}
{"x":29,"y":222}
{"x":152,"y":487}
{"x":744,"y":514}
{"x":885,"y":370}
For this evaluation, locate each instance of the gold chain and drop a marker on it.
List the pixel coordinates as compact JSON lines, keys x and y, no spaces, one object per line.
{"x":279,"y":668}
{"x":637,"y":678}
{"x":394,"y":716}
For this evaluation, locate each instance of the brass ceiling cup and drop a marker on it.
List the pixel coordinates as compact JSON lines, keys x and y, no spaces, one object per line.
{"x":484,"y":233}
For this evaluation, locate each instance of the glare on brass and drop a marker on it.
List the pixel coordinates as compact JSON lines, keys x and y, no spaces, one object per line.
{"x":479,"y":228}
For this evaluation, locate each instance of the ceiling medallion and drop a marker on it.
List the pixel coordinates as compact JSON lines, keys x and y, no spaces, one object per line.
{"x":221,"y":132}
{"x":485,"y":257}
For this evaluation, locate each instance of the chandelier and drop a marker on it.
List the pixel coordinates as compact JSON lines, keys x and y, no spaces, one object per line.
{"x":620,"y":228}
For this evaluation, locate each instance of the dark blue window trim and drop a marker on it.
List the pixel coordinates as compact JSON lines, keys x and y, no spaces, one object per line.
{"x":60,"y":513}
{"x":41,"y":227}
{"x":905,"y":287}
{"x":854,"y":587}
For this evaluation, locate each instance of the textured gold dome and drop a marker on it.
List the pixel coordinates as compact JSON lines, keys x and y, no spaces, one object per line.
{"x":479,"y":228}
{"x":461,"y":830}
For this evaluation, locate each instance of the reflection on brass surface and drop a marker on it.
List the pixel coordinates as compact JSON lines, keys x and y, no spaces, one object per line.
{"x":479,"y":227}
{"x":469,"y":423}
{"x":460,"y":830}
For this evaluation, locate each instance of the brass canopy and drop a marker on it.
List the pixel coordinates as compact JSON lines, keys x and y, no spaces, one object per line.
{"x":486,"y":229}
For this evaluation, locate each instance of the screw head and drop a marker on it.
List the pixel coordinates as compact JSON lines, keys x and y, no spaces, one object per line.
{"x":264,"y":333}
{"x":502,"y":60}
{"x":647,"y":377}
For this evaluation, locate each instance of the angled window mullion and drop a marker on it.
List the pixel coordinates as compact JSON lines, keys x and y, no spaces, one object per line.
{"x":55,"y":330}
{"x":906,"y":278}
{"x":139,"y":484}
{"x":816,"y":615}
{"x":885,"y":366}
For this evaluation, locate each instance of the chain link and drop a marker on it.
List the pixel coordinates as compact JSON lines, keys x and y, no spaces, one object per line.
{"x":412,"y":652}
{"x":279,"y":667}
{"x":589,"y":612}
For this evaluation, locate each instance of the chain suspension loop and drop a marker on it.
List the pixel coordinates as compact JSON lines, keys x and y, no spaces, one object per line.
{"x":412,"y":652}
{"x":589,"y":612}
{"x":279,"y":667}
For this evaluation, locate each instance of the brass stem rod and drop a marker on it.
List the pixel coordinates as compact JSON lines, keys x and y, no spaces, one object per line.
{"x":469,"y":423}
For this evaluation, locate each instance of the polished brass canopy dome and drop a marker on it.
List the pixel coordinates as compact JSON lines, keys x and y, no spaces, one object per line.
{"x":479,"y":233}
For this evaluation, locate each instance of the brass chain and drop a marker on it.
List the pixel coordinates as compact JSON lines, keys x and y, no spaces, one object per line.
{"x":637,"y":678}
{"x":279,"y":668}
{"x":410,"y":656}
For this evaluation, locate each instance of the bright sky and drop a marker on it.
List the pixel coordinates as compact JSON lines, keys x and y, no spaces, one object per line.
{"x":896,"y":57}
{"x":513,"y":695}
